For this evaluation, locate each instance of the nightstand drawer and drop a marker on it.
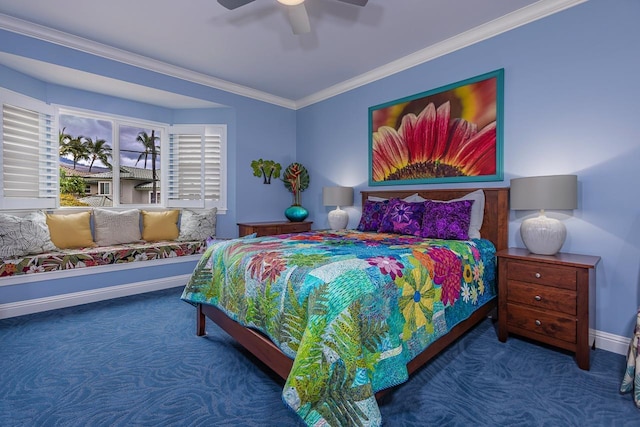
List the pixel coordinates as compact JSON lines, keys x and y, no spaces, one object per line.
{"x":297,"y":228}
{"x":543,"y":323}
{"x":562,"y":277}
{"x":267,"y":231}
{"x":542,"y":297}
{"x":273,"y":228}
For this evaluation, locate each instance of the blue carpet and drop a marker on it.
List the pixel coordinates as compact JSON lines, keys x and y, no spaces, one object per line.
{"x":136,"y":361}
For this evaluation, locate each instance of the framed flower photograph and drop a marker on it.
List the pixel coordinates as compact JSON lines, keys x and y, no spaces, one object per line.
{"x":449,"y":134}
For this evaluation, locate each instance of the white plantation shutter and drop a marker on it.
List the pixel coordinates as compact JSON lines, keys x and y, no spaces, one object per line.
{"x":212,"y":167}
{"x":196,"y":166}
{"x":29,"y":153}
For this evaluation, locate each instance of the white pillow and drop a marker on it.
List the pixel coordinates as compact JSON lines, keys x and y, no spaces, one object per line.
{"x":115,"y":228}
{"x":477,"y":212}
{"x":197,"y":225}
{"x":24,"y":236}
{"x":412,"y":198}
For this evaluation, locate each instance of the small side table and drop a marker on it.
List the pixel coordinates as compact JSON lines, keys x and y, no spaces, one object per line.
{"x":272,"y":228}
{"x":550,"y":299}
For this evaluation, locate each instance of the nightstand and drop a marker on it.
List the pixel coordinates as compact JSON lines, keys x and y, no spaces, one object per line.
{"x":548,"y":298}
{"x":273,"y":228}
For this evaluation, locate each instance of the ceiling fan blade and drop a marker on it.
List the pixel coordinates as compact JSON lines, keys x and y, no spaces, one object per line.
{"x":355,"y":2}
{"x":234,"y":4}
{"x":299,"y":19}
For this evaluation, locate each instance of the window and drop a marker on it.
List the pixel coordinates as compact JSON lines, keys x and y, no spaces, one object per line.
{"x":111,"y":153}
{"x":139,"y":160}
{"x":105,"y":160}
{"x":154,"y":197}
{"x":28,"y":145}
{"x":104,"y":188}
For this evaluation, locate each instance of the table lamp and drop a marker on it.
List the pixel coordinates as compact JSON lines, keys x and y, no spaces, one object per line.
{"x":543,"y":235}
{"x":337,"y":196}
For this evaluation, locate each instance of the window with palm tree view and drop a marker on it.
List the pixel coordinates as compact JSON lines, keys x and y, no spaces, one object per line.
{"x":53,"y":156}
{"x":98,"y":156}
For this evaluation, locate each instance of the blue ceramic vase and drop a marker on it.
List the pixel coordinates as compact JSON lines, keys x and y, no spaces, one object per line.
{"x":296,"y":213}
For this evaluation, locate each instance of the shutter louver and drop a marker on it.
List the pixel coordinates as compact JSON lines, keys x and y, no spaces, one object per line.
{"x":185,"y":170}
{"x":212,"y":167}
{"x":30,"y":154}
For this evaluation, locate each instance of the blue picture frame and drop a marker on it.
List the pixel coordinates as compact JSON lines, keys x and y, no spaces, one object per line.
{"x":450,"y":134}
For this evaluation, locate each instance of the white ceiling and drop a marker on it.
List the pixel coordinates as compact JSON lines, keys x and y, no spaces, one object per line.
{"x":252,"y":50}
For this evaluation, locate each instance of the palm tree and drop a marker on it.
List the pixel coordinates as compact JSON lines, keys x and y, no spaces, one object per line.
{"x":150,"y":148}
{"x":98,"y":150}
{"x":74,"y":147}
{"x":63,"y":137}
{"x":63,"y":142}
{"x":149,"y":145}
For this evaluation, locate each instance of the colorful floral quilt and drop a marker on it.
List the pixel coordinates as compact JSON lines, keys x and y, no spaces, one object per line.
{"x":350,"y":308}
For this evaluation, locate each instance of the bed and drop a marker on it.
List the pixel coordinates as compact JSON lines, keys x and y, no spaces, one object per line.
{"x":345,"y":316}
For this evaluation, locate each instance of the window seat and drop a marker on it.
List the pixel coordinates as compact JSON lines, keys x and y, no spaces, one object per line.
{"x":96,"y":256}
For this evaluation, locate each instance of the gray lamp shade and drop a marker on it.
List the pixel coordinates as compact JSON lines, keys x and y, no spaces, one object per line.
{"x":543,"y":235}
{"x":337,"y":196}
{"x":544,"y":192}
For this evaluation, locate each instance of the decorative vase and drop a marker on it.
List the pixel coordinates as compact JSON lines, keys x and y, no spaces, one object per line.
{"x":296,"y":213}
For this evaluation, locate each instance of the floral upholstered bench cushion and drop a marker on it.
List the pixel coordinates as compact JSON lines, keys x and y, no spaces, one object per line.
{"x":102,"y":255}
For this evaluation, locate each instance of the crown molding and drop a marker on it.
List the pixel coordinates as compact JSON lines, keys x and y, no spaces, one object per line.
{"x":538,"y":10}
{"x":526,"y":15}
{"x":50,"y":35}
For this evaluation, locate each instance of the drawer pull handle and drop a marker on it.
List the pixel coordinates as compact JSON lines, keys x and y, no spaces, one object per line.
{"x":538,"y":275}
{"x":537,"y":298}
{"x":538,"y":323}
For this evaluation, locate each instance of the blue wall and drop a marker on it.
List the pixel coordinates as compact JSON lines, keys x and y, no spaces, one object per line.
{"x":571,"y":91}
{"x":572,"y":84}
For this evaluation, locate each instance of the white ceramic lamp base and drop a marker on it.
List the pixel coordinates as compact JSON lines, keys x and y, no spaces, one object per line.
{"x":338,"y":219}
{"x":543,"y":235}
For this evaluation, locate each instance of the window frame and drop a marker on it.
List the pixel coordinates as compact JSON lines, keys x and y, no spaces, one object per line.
{"x":101,"y":185}
{"x":165,"y":131}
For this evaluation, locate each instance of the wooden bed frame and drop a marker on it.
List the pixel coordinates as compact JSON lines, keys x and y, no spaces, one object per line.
{"x":494,"y":228}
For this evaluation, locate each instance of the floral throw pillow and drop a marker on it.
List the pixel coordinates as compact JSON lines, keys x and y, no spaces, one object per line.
{"x":372,"y":214}
{"x":20,"y":236}
{"x":402,"y":217}
{"x":446,"y":220}
{"x":197,"y":225}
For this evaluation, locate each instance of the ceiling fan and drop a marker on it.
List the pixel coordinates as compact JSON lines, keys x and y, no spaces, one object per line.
{"x":298,"y":17}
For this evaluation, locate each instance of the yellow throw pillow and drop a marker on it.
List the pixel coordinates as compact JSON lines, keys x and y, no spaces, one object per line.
{"x":158,"y":226}
{"x":70,"y":231}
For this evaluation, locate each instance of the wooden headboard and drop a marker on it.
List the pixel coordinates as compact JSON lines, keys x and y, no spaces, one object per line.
{"x":495,"y":224}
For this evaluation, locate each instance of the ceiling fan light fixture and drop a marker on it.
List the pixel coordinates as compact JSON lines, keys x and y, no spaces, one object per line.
{"x":291,"y":2}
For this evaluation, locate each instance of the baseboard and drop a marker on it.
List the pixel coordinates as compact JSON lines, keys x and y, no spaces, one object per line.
{"x":77,"y":298}
{"x":610,"y":342}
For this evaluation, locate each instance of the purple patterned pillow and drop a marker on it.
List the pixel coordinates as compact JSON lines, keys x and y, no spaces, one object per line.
{"x":447,"y":220}
{"x":402,"y":217}
{"x":372,"y":214}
